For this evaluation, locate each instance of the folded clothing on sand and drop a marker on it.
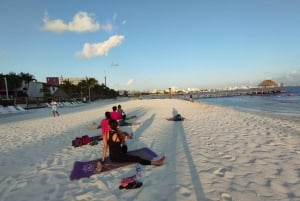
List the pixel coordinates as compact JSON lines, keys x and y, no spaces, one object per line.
{"x":85,"y":139}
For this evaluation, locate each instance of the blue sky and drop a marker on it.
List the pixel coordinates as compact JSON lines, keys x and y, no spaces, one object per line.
{"x":144,"y":45}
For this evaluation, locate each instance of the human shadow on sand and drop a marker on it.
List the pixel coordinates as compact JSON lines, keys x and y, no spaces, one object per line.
{"x":179,"y":136}
{"x":137,"y":143}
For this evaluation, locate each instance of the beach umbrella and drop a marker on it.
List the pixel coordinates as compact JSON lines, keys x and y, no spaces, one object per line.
{"x":268,"y":83}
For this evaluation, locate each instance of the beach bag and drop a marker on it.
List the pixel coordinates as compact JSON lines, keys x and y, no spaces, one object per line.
{"x":85,"y":140}
{"x":95,"y":138}
{"x":77,"y":142}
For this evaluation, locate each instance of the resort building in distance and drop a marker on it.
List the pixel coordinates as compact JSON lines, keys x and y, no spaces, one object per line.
{"x":73,"y":80}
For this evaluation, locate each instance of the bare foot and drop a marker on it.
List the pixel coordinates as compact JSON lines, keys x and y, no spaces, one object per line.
{"x":98,"y":167}
{"x":159,"y":161}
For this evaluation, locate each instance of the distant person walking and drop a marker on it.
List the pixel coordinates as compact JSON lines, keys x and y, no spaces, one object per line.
{"x":191,"y":98}
{"x":54,"y":108}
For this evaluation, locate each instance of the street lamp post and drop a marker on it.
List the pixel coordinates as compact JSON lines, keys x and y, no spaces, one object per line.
{"x":6,"y":87}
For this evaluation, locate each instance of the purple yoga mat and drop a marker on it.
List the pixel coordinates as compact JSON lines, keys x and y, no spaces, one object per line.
{"x":87,"y":168}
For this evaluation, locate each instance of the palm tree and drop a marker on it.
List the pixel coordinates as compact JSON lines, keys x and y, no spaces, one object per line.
{"x":88,"y":84}
{"x":14,"y":83}
{"x":68,"y":87}
{"x":91,"y":82}
{"x":27,"y":78}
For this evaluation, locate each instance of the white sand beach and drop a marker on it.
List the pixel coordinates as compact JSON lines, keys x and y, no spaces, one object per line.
{"x":216,"y":154}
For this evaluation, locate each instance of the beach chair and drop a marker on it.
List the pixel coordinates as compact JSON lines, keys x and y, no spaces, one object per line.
{"x":68,"y":104}
{"x":60,"y":104}
{"x":20,"y":108}
{"x":3,"y":110}
{"x":79,"y":102}
{"x":74,"y":103}
{"x":12,"y":109}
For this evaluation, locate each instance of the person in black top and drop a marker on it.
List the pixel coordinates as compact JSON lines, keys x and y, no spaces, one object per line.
{"x":116,"y":141}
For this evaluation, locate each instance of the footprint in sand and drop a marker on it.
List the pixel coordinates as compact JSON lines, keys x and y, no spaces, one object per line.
{"x":184,"y":191}
{"x":229,"y":157}
{"x":210,"y":145}
{"x":220,"y":172}
{"x":226,"y":197}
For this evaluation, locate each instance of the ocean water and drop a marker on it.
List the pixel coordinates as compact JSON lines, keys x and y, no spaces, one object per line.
{"x":282,"y":103}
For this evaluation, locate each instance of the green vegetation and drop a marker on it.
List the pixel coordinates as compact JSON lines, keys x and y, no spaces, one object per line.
{"x":17,"y":86}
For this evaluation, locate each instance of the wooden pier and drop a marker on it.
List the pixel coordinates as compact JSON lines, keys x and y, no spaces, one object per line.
{"x":239,"y":92}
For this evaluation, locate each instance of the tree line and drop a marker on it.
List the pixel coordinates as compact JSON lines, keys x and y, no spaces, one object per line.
{"x":88,"y":87}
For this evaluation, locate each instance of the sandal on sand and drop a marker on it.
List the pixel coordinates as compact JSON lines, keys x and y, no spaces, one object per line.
{"x":132,"y":185}
{"x":93,"y":143}
{"x":128,"y":179}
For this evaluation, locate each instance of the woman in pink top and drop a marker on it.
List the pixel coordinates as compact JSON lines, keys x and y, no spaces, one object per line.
{"x":104,"y":132}
{"x":114,"y":114}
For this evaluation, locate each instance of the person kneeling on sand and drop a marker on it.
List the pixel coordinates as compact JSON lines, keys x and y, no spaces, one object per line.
{"x":117,"y":148}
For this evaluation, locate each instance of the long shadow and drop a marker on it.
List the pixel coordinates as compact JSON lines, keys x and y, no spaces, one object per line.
{"x":179,"y":131}
{"x":145,"y":125}
{"x":138,"y":113}
{"x":141,"y":128}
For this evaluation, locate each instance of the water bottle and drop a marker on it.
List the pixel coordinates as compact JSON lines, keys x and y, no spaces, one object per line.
{"x":138,"y":174}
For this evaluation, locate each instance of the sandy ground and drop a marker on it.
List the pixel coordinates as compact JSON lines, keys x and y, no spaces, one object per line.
{"x":215,"y":154}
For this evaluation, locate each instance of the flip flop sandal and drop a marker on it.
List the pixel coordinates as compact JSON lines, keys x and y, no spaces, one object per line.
{"x":126,"y":182}
{"x":129,"y":179}
{"x":121,"y":187}
{"x":133,"y":185}
{"x":93,"y":143}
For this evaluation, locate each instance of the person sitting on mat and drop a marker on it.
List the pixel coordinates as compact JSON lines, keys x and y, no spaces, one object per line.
{"x":116,"y":141}
{"x":177,"y":117}
{"x":122,"y":122}
{"x":115,"y":114}
{"x":105,"y":128}
{"x":121,"y":112}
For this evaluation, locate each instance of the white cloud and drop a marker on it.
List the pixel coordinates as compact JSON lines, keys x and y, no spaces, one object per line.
{"x":129,"y":82}
{"x":81,"y":22}
{"x":100,"y":49}
{"x":124,"y":22}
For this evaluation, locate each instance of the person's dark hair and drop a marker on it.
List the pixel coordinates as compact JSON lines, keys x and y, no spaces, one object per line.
{"x":113,"y":124}
{"x":107,"y":115}
{"x":177,"y":117}
{"x":119,"y":106}
{"x":114,"y":108}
